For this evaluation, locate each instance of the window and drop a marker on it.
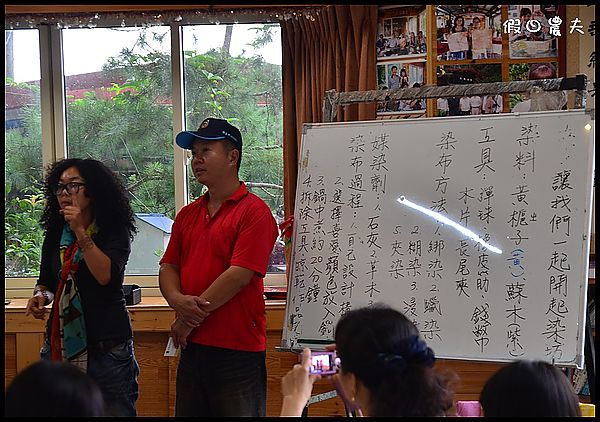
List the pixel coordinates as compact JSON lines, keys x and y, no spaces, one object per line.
{"x":222,"y":81}
{"x":119,"y":109}
{"x":23,"y":160}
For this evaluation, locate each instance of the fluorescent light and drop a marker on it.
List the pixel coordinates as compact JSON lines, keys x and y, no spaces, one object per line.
{"x":443,"y":219}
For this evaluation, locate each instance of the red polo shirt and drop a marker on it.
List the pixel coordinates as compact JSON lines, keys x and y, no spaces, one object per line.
{"x":241,"y":233}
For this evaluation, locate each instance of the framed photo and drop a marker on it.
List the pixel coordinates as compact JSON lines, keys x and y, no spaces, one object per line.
{"x":468,"y":32}
{"x":395,"y":75}
{"x":521,"y":102}
{"x":530,"y":31}
{"x":469,"y":105}
{"x":401,"y":33}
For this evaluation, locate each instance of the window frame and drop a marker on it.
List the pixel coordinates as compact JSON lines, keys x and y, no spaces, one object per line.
{"x":54,"y":136}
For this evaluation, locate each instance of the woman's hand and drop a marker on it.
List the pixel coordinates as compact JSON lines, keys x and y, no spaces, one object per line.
{"x":36,"y":307}
{"x":296,"y":386}
{"x":73,"y":215}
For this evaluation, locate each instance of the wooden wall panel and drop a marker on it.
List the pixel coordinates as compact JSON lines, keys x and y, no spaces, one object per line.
{"x":154,"y":380}
{"x":151,"y":321}
{"x":28,"y":349}
{"x":10,"y":358}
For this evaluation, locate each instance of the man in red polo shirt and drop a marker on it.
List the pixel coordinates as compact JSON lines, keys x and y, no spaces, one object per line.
{"x":212,"y":275}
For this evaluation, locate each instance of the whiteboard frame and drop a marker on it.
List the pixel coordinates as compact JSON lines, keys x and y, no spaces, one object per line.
{"x":578,"y":360}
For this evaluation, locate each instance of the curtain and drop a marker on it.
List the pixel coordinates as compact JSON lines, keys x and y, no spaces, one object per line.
{"x":334,"y":50}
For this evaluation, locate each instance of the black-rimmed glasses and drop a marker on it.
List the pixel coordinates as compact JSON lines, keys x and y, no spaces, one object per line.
{"x":72,"y":187}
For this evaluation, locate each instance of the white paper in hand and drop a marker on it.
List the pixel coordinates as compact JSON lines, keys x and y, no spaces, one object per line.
{"x":171,"y":350}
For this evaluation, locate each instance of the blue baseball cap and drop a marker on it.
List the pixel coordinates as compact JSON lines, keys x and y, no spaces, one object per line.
{"x":211,"y":129}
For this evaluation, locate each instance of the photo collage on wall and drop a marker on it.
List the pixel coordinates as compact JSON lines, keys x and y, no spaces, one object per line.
{"x":467,"y":48}
{"x":474,"y":32}
{"x":401,"y":56}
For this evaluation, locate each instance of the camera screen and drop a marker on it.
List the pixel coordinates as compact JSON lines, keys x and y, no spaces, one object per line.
{"x":322,"y":363}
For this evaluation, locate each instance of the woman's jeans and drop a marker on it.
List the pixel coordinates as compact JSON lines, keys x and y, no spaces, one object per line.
{"x":212,"y":381}
{"x":115,"y":370}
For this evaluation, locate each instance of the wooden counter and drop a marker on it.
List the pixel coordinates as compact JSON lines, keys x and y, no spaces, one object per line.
{"x":151,"y":321}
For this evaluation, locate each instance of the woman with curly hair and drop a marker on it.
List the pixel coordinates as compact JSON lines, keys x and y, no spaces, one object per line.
{"x":88,"y":225}
{"x":386,"y":369}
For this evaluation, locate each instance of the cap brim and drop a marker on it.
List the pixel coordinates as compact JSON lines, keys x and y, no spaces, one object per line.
{"x":186,"y":139}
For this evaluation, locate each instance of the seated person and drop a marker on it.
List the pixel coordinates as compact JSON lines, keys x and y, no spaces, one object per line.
{"x":392,"y":45}
{"x":380,"y":45}
{"x":529,"y":388}
{"x":386,"y":369}
{"x":402,"y":45}
{"x":53,"y":389}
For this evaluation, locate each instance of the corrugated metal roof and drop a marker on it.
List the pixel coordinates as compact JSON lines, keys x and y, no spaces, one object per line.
{"x":160,"y":221}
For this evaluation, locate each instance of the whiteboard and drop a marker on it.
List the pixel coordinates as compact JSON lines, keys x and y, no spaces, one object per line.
{"x":487,"y":251}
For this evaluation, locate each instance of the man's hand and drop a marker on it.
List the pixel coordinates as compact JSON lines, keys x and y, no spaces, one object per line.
{"x":179,"y":332}
{"x":191,"y":309}
{"x":35,"y":307}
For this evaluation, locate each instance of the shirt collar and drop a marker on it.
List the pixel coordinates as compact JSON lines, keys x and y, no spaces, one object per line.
{"x":239,"y":193}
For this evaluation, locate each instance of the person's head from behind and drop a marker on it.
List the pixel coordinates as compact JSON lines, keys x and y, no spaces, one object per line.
{"x":386,"y":368}
{"x":53,"y":389}
{"x":216,"y":150}
{"x":542,"y":71}
{"x":529,"y":388}
{"x":93,"y":187}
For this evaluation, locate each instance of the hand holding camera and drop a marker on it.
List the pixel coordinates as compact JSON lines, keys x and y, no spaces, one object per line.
{"x":324,"y":363}
{"x":296,"y":385}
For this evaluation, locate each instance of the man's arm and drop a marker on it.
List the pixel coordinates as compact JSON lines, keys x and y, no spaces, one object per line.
{"x":226,"y":286}
{"x":190,"y":309}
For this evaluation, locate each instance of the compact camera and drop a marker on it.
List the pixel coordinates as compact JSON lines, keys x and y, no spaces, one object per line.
{"x":324,"y":363}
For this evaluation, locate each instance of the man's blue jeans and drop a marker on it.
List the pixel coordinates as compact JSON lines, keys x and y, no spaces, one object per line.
{"x":213,"y":381}
{"x":115,"y":371}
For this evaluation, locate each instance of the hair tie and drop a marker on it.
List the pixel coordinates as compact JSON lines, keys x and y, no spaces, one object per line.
{"x":392,"y":361}
{"x":415,"y":350}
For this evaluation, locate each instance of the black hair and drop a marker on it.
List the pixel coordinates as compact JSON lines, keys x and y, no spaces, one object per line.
{"x":230,"y":146}
{"x":525,"y":11}
{"x":51,"y":388}
{"x":380,"y":346}
{"x":110,"y":205}
{"x":455,"y":19}
{"x":529,"y":388}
